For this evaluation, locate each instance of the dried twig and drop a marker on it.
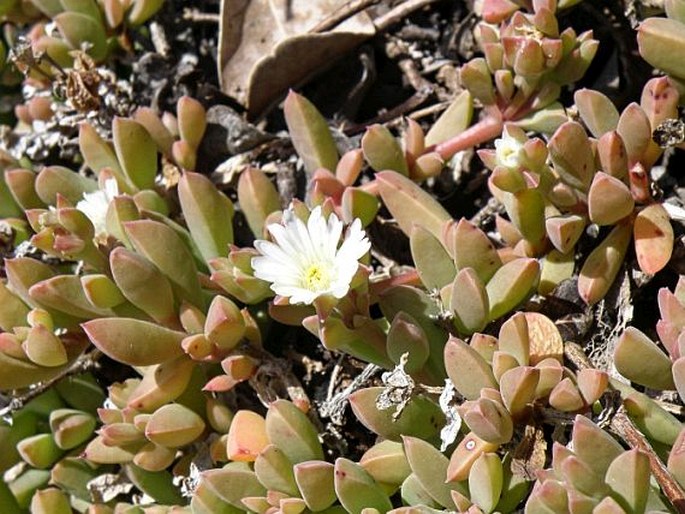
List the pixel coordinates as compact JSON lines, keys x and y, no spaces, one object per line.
{"x":622,"y":425}
{"x":399,"y":13}
{"x":334,"y":407}
{"x":624,"y":428}
{"x":343,"y":13}
{"x":197,"y":16}
{"x":84,"y":363}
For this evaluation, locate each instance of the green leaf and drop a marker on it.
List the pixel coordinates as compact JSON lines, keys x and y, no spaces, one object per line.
{"x":316,"y":483}
{"x":467,"y":369}
{"x":430,"y":468}
{"x":512,"y":284}
{"x":598,"y":112}
{"x":421,"y":417}
{"x":290,"y":429}
{"x":309,"y":133}
{"x":639,"y":359}
{"x":382,"y":151}
{"x":136,"y":152}
{"x":57,"y":179}
{"x":208,"y":214}
{"x":357,"y":490}
{"x":174,"y":425}
{"x":662,"y":42}
{"x":409,"y":204}
{"x":134,"y":342}
{"x":78,"y":28}
{"x":164,"y":248}
{"x":258,"y":198}
{"x":452,"y":122}
{"x":431,"y":260}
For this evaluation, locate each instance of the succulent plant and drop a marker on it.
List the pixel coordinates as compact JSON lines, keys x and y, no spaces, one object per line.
{"x":150,"y":313}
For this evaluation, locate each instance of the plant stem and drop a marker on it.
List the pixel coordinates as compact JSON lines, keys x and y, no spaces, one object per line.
{"x":486,"y":129}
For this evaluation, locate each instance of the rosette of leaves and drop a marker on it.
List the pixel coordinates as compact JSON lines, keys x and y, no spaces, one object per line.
{"x":505,"y":379}
{"x":456,"y":256}
{"x":601,"y":179}
{"x":276,"y":463}
{"x":41,"y":443}
{"x":595,"y":475}
{"x":95,"y":26}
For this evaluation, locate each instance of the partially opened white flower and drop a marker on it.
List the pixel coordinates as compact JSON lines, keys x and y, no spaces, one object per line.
{"x":308,"y":261}
{"x":509,"y":151}
{"x":94,"y":205}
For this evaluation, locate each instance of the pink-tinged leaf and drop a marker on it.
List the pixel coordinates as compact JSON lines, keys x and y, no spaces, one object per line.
{"x":572,"y":156}
{"x":421,"y":417}
{"x":382,"y":151}
{"x":162,"y":246}
{"x":208,"y":214}
{"x":640,"y":360}
{"x":512,"y":284}
{"x":99,"y":453}
{"x":635,"y":131}
{"x":409,"y":204}
{"x":134,"y":342}
{"x":609,"y":199}
{"x":136,"y":152}
{"x":653,"y":235}
{"x":357,"y":490}
{"x":471,"y":248}
{"x":65,"y":293}
{"x":316,"y":483}
{"x":310,"y":134}
{"x":290,"y":429}
{"x":613,"y":158}
{"x":44,"y":348}
{"x":602,"y":266}
{"x":21,"y":183}
{"x":161,"y":384}
{"x":143,"y":285}
{"x":258,"y":198}
{"x":247,"y":436}
{"x":153,"y":124}
{"x":174,"y":425}
{"x":598,"y":112}
{"x":224,"y":325}
{"x":564,"y":231}
{"x":54,"y":180}
{"x":467,"y":369}
{"x":192,"y":121}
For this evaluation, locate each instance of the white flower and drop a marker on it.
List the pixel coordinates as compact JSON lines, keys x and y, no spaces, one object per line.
{"x":509,"y":151}
{"x":94,"y":205}
{"x":305,"y":261}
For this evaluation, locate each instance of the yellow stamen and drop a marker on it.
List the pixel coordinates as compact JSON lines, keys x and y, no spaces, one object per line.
{"x":316,"y":277}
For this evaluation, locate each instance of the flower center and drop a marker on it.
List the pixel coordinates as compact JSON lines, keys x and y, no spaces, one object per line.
{"x":316,"y":277}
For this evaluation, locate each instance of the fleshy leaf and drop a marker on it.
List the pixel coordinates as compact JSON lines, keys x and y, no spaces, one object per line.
{"x":208,"y":214}
{"x":637,"y":358}
{"x":310,"y":134}
{"x":134,"y":342}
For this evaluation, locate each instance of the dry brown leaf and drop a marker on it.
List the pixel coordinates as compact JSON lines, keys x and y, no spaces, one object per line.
{"x":265,"y":47}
